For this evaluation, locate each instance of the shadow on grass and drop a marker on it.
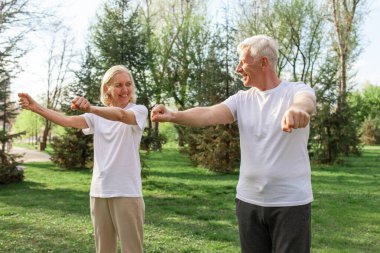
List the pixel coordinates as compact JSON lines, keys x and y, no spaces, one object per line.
{"x":36,"y":196}
{"x":48,"y":188}
{"x":32,"y":237}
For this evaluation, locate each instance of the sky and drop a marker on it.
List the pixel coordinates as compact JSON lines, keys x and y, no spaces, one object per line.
{"x":80,"y":14}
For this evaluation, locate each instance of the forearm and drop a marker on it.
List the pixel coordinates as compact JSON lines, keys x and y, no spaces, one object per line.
{"x":195,"y":117}
{"x":115,"y":114}
{"x":53,"y":116}
{"x":203,"y":116}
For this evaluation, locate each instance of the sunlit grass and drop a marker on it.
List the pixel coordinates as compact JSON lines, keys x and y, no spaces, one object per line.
{"x":188,"y":209}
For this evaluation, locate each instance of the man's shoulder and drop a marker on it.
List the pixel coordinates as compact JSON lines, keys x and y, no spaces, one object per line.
{"x":244,"y":93}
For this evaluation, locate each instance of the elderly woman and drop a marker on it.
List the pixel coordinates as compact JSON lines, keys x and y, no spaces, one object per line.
{"x":117,"y":206}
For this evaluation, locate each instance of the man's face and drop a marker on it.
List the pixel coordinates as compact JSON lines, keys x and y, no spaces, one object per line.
{"x":249,"y":68}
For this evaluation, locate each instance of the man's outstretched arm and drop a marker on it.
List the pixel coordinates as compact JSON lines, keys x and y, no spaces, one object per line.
{"x":299,"y":112}
{"x":196,"y":117}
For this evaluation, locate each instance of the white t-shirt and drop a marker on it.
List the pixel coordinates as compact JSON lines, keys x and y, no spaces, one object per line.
{"x":117,"y":169}
{"x":275,"y":166}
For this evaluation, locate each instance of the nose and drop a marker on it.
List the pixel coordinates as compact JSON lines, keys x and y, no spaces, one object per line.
{"x":238,"y":68}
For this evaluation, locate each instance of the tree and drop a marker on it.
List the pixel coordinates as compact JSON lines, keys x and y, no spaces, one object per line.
{"x":9,"y":170}
{"x":305,"y":50}
{"x":216,"y":147}
{"x":14,"y":25}
{"x":333,"y":132}
{"x":346,"y":17}
{"x":74,"y":150}
{"x":30,"y":123}
{"x":366,"y":105}
{"x":370,"y":131}
{"x":59,"y":59}
{"x":298,"y":26}
{"x":121,"y":36}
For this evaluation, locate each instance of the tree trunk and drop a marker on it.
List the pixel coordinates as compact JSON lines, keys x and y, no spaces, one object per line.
{"x":45,"y":135}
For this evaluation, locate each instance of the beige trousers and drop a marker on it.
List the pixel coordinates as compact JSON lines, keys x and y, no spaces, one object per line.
{"x":121,"y":217}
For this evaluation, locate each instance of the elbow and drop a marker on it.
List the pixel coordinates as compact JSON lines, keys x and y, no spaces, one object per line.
{"x":126,"y":117}
{"x":313,"y":107}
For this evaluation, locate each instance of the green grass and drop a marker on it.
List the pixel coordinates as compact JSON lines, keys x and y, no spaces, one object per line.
{"x":188,"y":209}
{"x":346,"y":210}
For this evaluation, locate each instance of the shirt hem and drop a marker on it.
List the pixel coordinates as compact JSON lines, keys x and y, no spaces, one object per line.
{"x":115,"y":195}
{"x":276,"y":204}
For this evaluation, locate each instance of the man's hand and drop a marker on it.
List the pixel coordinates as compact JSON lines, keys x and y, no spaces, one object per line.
{"x":161,"y":114}
{"x":293,"y":119}
{"x":27,"y":102}
{"x":81,"y":103}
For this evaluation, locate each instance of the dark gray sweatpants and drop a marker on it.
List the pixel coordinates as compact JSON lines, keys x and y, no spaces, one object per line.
{"x":274,"y":229}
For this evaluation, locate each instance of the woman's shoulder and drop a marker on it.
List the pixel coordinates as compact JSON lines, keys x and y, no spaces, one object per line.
{"x":136,"y":107}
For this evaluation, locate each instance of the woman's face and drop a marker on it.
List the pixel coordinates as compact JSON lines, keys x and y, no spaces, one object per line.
{"x":120,"y":89}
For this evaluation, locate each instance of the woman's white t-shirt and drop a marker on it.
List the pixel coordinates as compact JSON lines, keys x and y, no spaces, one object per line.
{"x":117,"y":169}
{"x":275,"y":166}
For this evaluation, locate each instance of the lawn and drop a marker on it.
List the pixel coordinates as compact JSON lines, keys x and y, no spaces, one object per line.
{"x":188,"y":209}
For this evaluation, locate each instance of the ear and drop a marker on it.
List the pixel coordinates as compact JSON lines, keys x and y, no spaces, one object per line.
{"x":264,"y":62}
{"x":106,"y":89}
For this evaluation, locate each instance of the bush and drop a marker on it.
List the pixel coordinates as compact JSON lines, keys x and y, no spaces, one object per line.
{"x":152,"y":142}
{"x":370,"y":131}
{"x":215,"y":147}
{"x":10,"y":171}
{"x":73,"y":150}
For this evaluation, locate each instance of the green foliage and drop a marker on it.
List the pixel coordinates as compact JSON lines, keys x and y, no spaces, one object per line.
{"x":334,"y":131}
{"x":119,"y":37}
{"x":14,"y":24}
{"x":366,"y":103}
{"x":216,"y":148}
{"x":299,"y":26}
{"x":370,"y":131}
{"x":9,"y":170}
{"x":28,"y":122}
{"x":73,"y":150}
{"x":168,"y":130}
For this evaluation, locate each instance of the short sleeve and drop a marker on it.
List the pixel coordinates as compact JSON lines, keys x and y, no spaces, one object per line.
{"x":141,"y":114}
{"x":231,"y":103}
{"x":301,"y":87}
{"x":89,"y":118}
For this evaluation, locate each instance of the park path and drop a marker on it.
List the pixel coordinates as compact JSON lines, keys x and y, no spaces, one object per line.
{"x":31,"y":155}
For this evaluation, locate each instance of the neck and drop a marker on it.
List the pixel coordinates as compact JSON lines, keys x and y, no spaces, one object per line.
{"x":268,"y":82}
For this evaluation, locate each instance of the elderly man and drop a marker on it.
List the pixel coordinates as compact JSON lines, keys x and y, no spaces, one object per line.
{"x":274,"y":194}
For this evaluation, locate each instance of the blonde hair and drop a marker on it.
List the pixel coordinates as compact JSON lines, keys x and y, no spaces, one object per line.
{"x":261,"y":46}
{"x":110,"y":73}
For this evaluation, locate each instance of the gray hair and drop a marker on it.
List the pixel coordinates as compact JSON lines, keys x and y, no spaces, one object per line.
{"x":110,"y":73}
{"x":261,"y":46}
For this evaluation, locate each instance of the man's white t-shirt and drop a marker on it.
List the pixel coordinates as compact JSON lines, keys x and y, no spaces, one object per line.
{"x":275,"y":166}
{"x":117,"y":169}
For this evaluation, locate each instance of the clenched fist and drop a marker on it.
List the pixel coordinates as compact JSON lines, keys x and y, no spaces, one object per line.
{"x":161,"y":114}
{"x":293,"y":119}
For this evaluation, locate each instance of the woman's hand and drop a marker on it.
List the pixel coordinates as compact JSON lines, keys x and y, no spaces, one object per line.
{"x":81,"y":103}
{"x":27,"y":102}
